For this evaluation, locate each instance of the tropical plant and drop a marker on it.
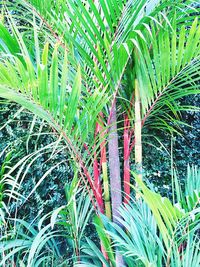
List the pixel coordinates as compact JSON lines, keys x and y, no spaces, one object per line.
{"x":55,"y":239}
{"x":90,"y":69}
{"x":188,"y":197}
{"x":28,"y":246}
{"x":155,"y":231}
{"x":8,"y":188}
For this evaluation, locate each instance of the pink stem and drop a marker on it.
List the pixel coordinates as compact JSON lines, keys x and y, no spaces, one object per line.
{"x":126,"y":160}
{"x":97,"y":182}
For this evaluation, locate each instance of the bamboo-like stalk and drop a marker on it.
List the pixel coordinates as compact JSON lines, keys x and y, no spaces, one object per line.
{"x":114,"y":165}
{"x":107,"y":203}
{"x":126,"y":160}
{"x":105,"y":182}
{"x":104,"y":167}
{"x":97,"y":184}
{"x":114,"y":168}
{"x":138,"y":131}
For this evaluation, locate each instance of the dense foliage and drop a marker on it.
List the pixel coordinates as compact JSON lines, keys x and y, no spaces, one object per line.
{"x":157,"y":167}
{"x":94,"y":145}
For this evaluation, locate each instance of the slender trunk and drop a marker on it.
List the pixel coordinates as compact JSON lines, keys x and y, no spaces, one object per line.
{"x":97,"y":182}
{"x":97,"y":168}
{"x":138,"y":131}
{"x":105,"y":181}
{"x":126,"y":160}
{"x":104,"y":168}
{"x":114,"y":167}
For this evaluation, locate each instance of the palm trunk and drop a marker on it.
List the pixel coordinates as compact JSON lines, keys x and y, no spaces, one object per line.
{"x":126,"y":160}
{"x":104,"y":168}
{"x":105,"y":183}
{"x":114,"y":167}
{"x":97,"y":182}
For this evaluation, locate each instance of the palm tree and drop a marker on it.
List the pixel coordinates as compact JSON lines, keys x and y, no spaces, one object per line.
{"x":85,"y":66}
{"x":168,"y":232}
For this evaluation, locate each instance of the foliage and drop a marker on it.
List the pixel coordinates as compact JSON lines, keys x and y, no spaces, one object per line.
{"x":20,"y":135}
{"x":178,"y":150}
{"x":80,"y":68}
{"x":54,"y":238}
{"x":155,"y":232}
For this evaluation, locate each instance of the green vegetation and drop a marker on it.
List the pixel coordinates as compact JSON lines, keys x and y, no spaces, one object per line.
{"x":93,"y":88}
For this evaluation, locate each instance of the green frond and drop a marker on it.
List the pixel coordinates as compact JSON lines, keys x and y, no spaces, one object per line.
{"x":167,"y":66}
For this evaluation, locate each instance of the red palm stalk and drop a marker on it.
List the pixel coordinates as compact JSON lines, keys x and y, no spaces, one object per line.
{"x":104,"y":167}
{"x":126,"y":159}
{"x":97,"y":182}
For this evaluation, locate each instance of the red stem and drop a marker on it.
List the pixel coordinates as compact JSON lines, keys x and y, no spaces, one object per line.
{"x":103,"y":143}
{"x":126,"y":159}
{"x":97,"y":182}
{"x":82,"y":165}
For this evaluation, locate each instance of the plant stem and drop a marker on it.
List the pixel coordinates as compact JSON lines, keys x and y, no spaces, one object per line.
{"x":104,"y":167}
{"x":97,"y":182}
{"x":126,"y":160}
{"x":114,"y":167}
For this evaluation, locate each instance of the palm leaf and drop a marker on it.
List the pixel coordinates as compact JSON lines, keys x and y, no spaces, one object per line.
{"x":161,"y":83}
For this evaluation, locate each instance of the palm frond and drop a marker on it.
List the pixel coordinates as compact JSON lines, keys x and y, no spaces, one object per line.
{"x":139,"y":245}
{"x":167,"y":69}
